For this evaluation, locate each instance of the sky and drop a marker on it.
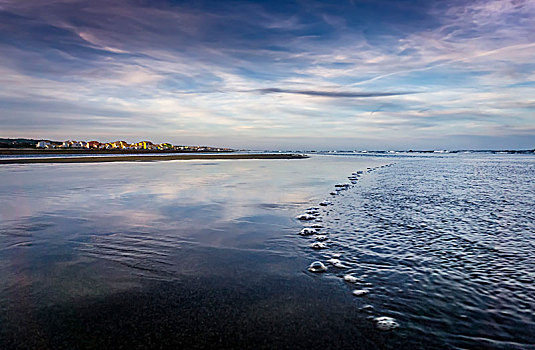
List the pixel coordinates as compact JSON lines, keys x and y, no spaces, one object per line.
{"x":356,"y":74}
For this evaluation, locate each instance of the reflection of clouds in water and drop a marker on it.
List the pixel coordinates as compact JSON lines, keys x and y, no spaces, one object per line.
{"x":164,"y":193}
{"x":236,"y":189}
{"x":136,"y":218}
{"x":90,"y":228}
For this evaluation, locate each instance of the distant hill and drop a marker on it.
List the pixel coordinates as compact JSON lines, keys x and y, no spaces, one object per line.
{"x":22,"y":143}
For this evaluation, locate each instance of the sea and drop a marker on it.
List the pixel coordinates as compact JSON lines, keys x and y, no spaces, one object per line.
{"x":417,"y":251}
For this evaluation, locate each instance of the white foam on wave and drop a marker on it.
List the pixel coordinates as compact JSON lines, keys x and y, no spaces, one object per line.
{"x":385,"y":323}
{"x":360,"y":292}
{"x":308,"y":231}
{"x":367,"y":308}
{"x":306,"y":217}
{"x":337,"y":263}
{"x":351,"y":279}
{"x":321,"y":238}
{"x":317,"y":266}
{"x":340,"y":187}
{"x":318,"y":245}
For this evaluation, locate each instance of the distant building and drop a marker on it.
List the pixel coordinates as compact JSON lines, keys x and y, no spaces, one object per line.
{"x":79,"y":144}
{"x":117,"y":145}
{"x":43,"y":144}
{"x":143,"y":145}
{"x":93,"y":144}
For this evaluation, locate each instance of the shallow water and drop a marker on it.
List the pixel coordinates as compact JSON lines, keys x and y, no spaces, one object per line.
{"x":445,"y":245}
{"x":207,"y":253}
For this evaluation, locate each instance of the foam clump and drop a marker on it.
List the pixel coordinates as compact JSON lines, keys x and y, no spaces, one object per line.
{"x":360,"y":292}
{"x":307,"y":231}
{"x":351,"y":279}
{"x":342,"y":186}
{"x":337,"y":263}
{"x":318,"y":245}
{"x":321,"y":238}
{"x":317,"y":266}
{"x":306,"y":217}
{"x":333,"y":261}
{"x":316,"y":226}
{"x":367,"y":308}
{"x":325,"y":203}
{"x":385,"y":323}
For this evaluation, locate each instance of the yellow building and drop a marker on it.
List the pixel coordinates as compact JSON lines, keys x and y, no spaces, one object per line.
{"x":143,"y":145}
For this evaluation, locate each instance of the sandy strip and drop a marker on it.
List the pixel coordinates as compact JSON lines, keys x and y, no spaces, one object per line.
{"x":84,"y":151}
{"x":150,"y":158}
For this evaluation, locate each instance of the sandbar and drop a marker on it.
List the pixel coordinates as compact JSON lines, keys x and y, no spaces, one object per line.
{"x":151,"y":158}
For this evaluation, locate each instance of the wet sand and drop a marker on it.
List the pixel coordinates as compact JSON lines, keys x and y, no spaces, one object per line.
{"x":208,"y":254}
{"x":263,"y":304}
{"x":151,"y":158}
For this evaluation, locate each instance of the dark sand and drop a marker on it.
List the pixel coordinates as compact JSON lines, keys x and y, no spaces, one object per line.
{"x":261,"y":304}
{"x":150,"y":158}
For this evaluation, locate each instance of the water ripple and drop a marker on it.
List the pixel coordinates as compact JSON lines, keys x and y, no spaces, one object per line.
{"x":445,"y":247}
{"x":143,"y":253}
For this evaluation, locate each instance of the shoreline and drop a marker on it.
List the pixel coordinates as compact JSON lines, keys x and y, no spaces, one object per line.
{"x":151,"y":158}
{"x":32,"y":151}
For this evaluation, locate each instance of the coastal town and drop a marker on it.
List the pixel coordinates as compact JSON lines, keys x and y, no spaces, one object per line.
{"x":123,"y":145}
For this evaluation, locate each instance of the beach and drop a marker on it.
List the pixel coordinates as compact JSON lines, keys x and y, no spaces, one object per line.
{"x":210,"y":253}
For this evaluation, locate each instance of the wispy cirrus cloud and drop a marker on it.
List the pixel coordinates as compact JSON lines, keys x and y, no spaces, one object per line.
{"x":323,"y":93}
{"x":277,"y":70}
